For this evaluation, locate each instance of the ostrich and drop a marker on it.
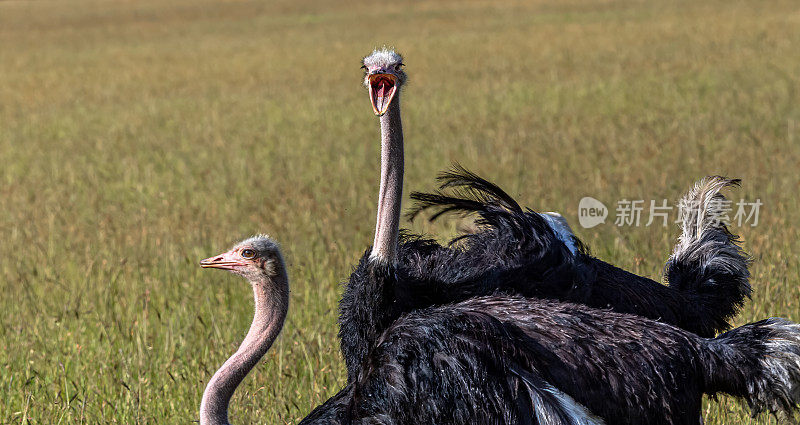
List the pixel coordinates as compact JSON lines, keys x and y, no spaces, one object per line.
{"x":259,"y":260}
{"x":513,"y":360}
{"x":401,"y":272}
{"x":707,"y":270}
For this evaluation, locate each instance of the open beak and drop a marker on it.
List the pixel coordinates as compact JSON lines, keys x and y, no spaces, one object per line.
{"x":382,"y":88}
{"x":223,"y":261}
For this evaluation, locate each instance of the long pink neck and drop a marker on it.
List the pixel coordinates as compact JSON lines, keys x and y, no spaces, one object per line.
{"x":384,"y":247}
{"x":271,"y":307}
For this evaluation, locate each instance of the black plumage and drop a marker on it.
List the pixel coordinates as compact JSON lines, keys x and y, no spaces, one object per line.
{"x":707,"y":274}
{"x":517,"y":252}
{"x":513,"y":360}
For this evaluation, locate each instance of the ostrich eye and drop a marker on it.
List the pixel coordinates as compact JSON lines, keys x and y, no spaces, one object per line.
{"x":248,"y":254}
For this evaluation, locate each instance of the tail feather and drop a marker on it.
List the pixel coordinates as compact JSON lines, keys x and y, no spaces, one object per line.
{"x":708,"y":258}
{"x":759,"y":362}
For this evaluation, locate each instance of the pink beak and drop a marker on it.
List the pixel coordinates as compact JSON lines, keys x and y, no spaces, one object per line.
{"x":226,"y":261}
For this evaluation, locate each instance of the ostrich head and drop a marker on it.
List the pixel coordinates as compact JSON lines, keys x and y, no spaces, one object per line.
{"x":384,"y":76}
{"x":257,"y":259}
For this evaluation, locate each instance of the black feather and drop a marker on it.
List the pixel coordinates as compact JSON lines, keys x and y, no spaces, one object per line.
{"x":708,"y":277}
{"x":510,"y":360}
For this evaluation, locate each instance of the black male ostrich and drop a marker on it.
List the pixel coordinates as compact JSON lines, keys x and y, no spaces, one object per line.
{"x":707,"y":271}
{"x":512,"y":360}
{"x":519,"y":252}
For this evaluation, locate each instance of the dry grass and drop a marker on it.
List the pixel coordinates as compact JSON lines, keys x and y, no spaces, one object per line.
{"x":138,"y":137}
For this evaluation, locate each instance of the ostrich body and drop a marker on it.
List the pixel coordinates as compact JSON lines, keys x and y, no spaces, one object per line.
{"x":513,"y":360}
{"x":707,"y":271}
{"x":517,"y":252}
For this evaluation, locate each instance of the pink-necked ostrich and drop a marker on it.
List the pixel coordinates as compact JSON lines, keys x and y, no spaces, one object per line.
{"x":259,"y":260}
{"x":517,"y":251}
{"x":511,"y":360}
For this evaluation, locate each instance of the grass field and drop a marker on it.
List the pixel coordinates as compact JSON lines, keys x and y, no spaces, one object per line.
{"x":139,"y":137}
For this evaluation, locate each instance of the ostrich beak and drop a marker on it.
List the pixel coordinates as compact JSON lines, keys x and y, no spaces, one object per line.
{"x":382,"y":88}
{"x":224,"y":261}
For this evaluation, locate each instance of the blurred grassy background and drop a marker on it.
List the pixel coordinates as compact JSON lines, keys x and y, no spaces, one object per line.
{"x":138,"y":137}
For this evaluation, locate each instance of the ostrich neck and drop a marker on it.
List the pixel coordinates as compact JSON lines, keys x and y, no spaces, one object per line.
{"x":384,"y":247}
{"x":271,"y":306}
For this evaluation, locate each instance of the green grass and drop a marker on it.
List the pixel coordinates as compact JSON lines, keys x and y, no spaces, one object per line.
{"x":138,"y":137}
